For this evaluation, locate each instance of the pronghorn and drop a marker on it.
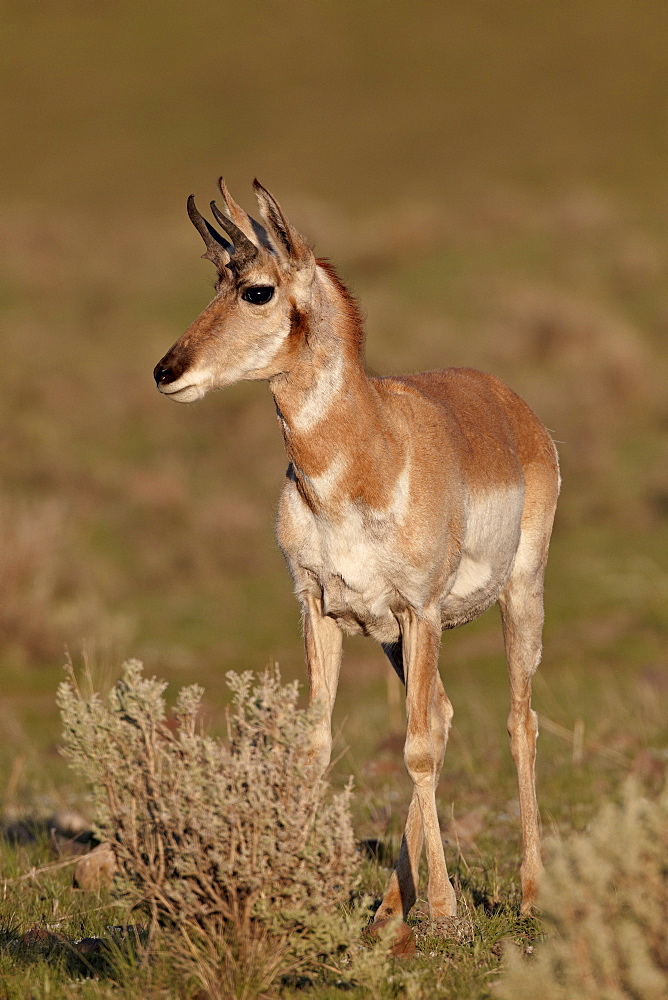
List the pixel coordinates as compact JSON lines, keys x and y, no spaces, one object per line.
{"x":411,"y":504}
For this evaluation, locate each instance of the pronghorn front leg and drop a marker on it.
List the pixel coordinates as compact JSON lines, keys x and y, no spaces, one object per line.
{"x":429,"y":714}
{"x":402,"y":890}
{"x":323,"y":641}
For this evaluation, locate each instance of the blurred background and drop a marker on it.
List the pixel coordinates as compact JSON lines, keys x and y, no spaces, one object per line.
{"x":490,"y":179}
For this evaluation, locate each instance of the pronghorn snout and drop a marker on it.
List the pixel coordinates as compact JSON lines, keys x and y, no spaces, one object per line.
{"x":171,"y":366}
{"x":175,"y":377}
{"x":164,"y":374}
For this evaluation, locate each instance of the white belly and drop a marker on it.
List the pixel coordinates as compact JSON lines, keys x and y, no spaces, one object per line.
{"x":491,"y":538}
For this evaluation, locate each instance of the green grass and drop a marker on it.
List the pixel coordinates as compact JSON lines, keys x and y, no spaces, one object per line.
{"x":465,"y":965}
{"x":478,"y":810}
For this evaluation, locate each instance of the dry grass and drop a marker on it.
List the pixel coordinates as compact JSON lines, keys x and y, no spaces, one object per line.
{"x":43,"y":597}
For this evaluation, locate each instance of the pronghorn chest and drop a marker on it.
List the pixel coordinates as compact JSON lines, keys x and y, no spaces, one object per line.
{"x":352,"y":562}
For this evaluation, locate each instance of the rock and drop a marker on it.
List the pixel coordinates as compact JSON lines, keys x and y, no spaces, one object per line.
{"x":95,"y":870}
{"x":91,"y":946}
{"x":40,"y":938}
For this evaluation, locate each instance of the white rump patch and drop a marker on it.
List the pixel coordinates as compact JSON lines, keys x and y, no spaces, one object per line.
{"x":325,"y":388}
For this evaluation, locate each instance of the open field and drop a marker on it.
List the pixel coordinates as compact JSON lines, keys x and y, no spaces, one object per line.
{"x":491,"y":181}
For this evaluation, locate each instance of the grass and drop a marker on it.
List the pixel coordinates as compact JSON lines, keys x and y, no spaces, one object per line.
{"x":47,"y":902}
{"x":478,"y":810}
{"x":492,"y":186}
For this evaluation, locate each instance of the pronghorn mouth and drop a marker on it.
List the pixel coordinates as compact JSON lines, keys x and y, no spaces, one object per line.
{"x":184,"y":393}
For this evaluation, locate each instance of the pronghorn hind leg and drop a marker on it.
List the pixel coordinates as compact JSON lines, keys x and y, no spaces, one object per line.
{"x":522,"y":616}
{"x":429,"y":716}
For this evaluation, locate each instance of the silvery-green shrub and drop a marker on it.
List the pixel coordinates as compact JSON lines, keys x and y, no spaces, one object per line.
{"x":232,"y":840}
{"x":604,"y":900}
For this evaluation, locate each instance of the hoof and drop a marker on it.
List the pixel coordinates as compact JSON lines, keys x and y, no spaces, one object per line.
{"x":529,"y":894}
{"x":403,"y":942}
{"x":443,"y":906}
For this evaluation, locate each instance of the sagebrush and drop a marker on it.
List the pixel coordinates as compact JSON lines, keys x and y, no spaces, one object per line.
{"x":604,"y":899}
{"x":236,"y":845}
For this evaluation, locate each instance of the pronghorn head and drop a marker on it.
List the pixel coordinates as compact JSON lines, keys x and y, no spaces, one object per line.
{"x":251,"y":329}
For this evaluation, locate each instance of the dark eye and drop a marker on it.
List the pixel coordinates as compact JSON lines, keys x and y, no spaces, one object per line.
{"x":258,"y":294}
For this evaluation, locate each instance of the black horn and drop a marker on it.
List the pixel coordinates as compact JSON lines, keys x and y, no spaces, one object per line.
{"x":218,"y":250}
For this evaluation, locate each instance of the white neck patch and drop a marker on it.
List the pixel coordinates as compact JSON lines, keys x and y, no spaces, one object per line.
{"x":324,"y":484}
{"x":321,"y":395}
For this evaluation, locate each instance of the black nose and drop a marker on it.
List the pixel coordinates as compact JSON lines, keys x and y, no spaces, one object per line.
{"x":163,"y":375}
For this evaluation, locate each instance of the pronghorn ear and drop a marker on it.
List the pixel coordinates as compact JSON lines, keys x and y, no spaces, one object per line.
{"x":290,"y":245}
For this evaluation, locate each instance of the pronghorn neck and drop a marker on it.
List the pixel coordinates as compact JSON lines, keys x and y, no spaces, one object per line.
{"x":327,"y":406}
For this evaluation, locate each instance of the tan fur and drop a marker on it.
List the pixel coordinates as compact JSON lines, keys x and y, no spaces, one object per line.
{"x":411,"y":504}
